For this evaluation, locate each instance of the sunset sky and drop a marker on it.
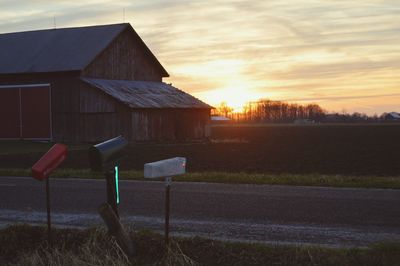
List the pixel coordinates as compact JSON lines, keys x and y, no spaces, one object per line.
{"x":343,"y":55}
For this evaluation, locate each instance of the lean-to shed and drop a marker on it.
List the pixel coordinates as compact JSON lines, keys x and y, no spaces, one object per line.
{"x":91,"y":84}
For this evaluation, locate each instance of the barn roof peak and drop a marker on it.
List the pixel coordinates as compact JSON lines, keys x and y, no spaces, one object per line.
{"x":58,"y":50}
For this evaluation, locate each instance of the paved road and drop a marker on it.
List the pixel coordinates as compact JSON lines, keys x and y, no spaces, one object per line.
{"x":277,"y":214}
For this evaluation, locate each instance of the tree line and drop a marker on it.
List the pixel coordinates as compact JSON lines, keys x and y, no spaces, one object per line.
{"x":268,"y":111}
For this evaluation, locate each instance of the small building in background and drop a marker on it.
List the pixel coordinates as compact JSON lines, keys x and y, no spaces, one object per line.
{"x":392,"y":116}
{"x":89,"y":84}
{"x":304,"y":122}
{"x":219,"y":119}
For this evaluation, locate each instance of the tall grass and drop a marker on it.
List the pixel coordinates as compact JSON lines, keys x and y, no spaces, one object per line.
{"x":27,"y":245}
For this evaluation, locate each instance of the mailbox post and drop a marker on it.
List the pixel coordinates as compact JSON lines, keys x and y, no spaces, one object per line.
{"x":112,"y":189}
{"x":168,"y":182}
{"x":105,"y":157}
{"x":42,"y":169}
{"x":167,"y":169}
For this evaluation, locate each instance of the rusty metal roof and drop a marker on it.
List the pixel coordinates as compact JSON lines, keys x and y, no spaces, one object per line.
{"x":56,"y":50}
{"x":146,"y":94}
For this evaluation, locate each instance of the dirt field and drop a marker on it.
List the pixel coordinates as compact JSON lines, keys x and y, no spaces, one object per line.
{"x":327,"y":149}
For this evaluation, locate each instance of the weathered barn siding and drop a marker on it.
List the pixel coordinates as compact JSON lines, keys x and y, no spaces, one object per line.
{"x":169,"y":125}
{"x":93,"y":101}
{"x":82,"y":113}
{"x":65,"y":107}
{"x":124,"y":59}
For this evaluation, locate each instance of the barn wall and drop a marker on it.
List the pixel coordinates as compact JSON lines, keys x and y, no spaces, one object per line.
{"x":169,"y":124}
{"x":92,"y":100}
{"x":124,"y":59}
{"x":101,"y":117}
{"x":81,"y":113}
{"x":65,"y":107}
{"x":87,"y":114}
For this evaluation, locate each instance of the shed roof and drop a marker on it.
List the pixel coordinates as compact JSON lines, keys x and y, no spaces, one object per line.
{"x":146,"y":94}
{"x":394,"y":115}
{"x":56,"y":50}
{"x":219,"y":118}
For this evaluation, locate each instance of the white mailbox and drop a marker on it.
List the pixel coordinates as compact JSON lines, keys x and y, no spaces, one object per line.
{"x":165,"y":168}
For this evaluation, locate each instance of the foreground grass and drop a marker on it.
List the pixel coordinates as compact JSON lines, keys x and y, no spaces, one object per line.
{"x":239,"y":178}
{"x":27,"y":245}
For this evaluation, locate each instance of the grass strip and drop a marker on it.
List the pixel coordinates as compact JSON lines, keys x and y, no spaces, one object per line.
{"x":26,"y":147}
{"x":392,"y":182}
{"x":27,"y":245}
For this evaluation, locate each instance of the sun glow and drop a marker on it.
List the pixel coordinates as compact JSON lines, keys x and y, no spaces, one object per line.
{"x":233,"y":85}
{"x":235,"y":96}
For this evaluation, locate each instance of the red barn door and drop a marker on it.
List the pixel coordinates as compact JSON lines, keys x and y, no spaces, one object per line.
{"x":9,"y":113}
{"x":25,"y":112}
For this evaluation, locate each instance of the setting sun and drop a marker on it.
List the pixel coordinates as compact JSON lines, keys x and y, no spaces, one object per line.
{"x":235,"y":97}
{"x":235,"y":91}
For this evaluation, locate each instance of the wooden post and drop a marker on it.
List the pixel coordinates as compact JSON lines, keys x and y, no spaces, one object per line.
{"x":48,"y":211}
{"x":167,"y":192}
{"x":111,"y":193}
{"x":115,"y":229}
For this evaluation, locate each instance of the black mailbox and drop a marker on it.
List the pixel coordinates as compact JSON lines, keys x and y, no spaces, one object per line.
{"x":105,"y":155}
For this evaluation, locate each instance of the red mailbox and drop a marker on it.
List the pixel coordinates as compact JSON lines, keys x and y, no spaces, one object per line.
{"x":49,"y":162}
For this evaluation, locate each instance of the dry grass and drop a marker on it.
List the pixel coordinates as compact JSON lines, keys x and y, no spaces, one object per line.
{"x":174,"y":256}
{"x":27,"y":245}
{"x":70,"y":247}
{"x":67,"y":258}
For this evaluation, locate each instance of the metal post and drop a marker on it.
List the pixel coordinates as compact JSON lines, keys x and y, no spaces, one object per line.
{"x":48,"y":210}
{"x":111,"y":194}
{"x":167,"y":191}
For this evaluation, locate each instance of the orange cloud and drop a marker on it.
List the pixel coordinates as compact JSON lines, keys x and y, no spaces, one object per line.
{"x":335,"y":53}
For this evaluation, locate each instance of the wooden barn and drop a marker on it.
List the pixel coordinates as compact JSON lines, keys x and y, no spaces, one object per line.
{"x":90,"y":84}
